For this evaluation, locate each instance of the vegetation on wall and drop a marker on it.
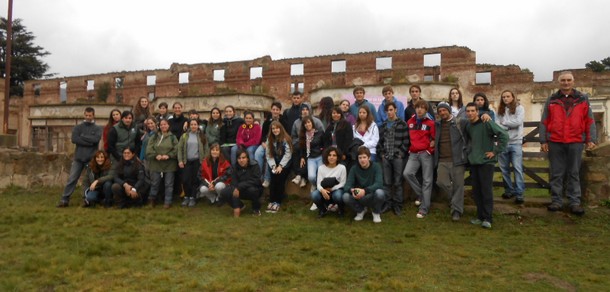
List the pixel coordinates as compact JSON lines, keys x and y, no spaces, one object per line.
{"x":599,"y":66}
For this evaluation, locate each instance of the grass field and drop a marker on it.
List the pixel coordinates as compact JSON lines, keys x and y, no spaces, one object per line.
{"x":205,"y":249}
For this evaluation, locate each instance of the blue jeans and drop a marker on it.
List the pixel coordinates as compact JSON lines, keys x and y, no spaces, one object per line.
{"x":336,"y":197}
{"x":423,"y":190}
{"x":261,"y":157}
{"x":75,"y":171}
{"x":513,"y":154}
{"x":374,"y":201}
{"x":312,"y":169}
{"x":168,"y":179}
{"x":250,"y":150}
{"x":92,"y":196}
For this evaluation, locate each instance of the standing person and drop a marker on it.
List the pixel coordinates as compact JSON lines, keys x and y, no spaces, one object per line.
{"x":310,"y":151}
{"x":366,"y":130}
{"x":176,"y":125}
{"x":292,"y":113}
{"x":487,"y":140}
{"x":345,"y":105}
{"x":259,"y":155}
{"x":330,"y":181}
{"x":161,"y":155}
{"x":364,"y":187}
{"x":326,"y":105}
{"x":98,"y":179}
{"x":163,"y":114}
{"x":194,"y":115}
{"x":228,"y":133}
{"x":450,"y":157}
{"x":392,"y":148}
{"x":215,"y":174}
{"x":296,"y":126}
{"x":482,"y":103}
{"x":567,"y":124}
{"x":212,"y":131}
{"x":415,"y":93}
{"x":128,"y":182}
{"x":141,"y":111}
{"x":279,"y":155}
{"x":123,"y":135}
{"x":421,"y":148}
{"x":510,"y":118}
{"x":150,"y":130}
{"x":388,"y":96}
{"x":192,"y":148}
{"x":245,"y":185}
{"x":339,"y":133}
{"x":86,"y":137}
{"x":248,"y":135}
{"x":456,"y":103}
{"x":359,"y":102}
{"x":115,"y":117}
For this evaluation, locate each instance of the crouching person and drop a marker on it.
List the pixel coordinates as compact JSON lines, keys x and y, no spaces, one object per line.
{"x":245,"y":185}
{"x":215,"y":174}
{"x":128,"y":180}
{"x":98,"y":179}
{"x":364,"y":187}
{"x":330,"y":181}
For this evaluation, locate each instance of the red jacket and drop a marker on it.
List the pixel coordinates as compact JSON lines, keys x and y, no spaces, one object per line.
{"x":420,"y":134}
{"x":248,"y":135}
{"x":224,"y":169}
{"x":574,"y":125}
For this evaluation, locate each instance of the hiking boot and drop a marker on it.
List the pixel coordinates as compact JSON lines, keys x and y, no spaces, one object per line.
{"x":360,"y":215}
{"x":507,"y":196}
{"x":577,"y":210}
{"x":376,"y":218}
{"x":397,"y":210}
{"x":455,"y":216}
{"x":486,"y":224}
{"x":192,"y":202}
{"x":519,"y":200}
{"x":62,"y":204}
{"x":554,"y":207}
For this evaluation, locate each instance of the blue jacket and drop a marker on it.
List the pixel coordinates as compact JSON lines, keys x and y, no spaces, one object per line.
{"x":382,"y":116}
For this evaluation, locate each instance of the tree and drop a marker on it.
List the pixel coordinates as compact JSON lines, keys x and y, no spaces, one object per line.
{"x":26,"y":62}
{"x":598,"y":66}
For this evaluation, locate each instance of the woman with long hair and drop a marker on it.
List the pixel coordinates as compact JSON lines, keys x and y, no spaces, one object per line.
{"x":339,"y":133}
{"x":161,"y":153}
{"x":344,"y":105}
{"x":215,"y":174}
{"x":212,"y":131}
{"x":98,"y":180}
{"x":310,"y":149}
{"x":129,"y":184}
{"x":150,"y":125}
{"x":192,"y":148}
{"x":228,"y":133}
{"x":510,"y":117}
{"x":326,"y":105}
{"x":456,"y":103}
{"x":279,"y":155}
{"x":141,"y":111}
{"x":366,"y":130}
{"x":113,"y":119}
{"x":245,"y":185}
{"x":330,"y":182}
{"x":480,"y":99}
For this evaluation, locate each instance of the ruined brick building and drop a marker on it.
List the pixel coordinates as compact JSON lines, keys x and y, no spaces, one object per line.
{"x":50,"y":108}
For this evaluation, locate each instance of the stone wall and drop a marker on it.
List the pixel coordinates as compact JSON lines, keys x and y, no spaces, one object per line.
{"x":595,"y":177}
{"x":27,"y":169}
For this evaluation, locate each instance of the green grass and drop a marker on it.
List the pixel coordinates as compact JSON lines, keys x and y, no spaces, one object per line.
{"x":205,"y":249}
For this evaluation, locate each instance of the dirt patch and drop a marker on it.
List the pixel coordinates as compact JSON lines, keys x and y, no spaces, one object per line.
{"x":558,"y":283}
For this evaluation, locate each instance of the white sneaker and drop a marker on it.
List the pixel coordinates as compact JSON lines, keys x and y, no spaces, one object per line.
{"x":296,"y":180}
{"x":376,"y":218}
{"x":360,"y":215}
{"x":313,"y":207}
{"x":417,"y":203}
{"x":303,"y":183}
{"x":266,"y":184}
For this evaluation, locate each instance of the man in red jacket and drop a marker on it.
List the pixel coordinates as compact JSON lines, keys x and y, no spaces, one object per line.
{"x":566,"y":125}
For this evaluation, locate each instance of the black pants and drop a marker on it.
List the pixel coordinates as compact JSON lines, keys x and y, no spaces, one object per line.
{"x":277,"y":188}
{"x":482,"y":190}
{"x":252,"y":194}
{"x":190,"y":178}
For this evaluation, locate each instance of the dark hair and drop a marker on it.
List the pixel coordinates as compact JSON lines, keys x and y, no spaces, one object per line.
{"x":358,"y":88}
{"x":481,"y":94}
{"x":388,"y":105}
{"x":139,"y":110}
{"x":95,"y":168}
{"x":249,"y":113}
{"x":126,"y":114}
{"x":511,"y":106}
{"x":327,"y":152}
{"x":459,"y":101}
{"x":202,"y":136}
{"x":421,"y":103}
{"x":271,"y":139}
{"x":121,"y":165}
{"x":386,"y":89}
{"x":110,"y":119}
{"x":341,"y":123}
{"x":163,"y":104}
{"x":472,"y":104}
{"x":221,"y":157}
{"x":364,"y":150}
{"x":302,"y":130}
{"x":218,"y":122}
{"x":193,"y":112}
{"x":369,"y":117}
{"x":276,"y":104}
{"x":90,"y":110}
{"x":296,"y":92}
{"x":415,"y":86}
{"x":241,"y":151}
{"x":326,"y":105}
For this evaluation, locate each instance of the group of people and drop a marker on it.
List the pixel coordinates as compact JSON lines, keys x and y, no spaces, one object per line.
{"x":351,"y":154}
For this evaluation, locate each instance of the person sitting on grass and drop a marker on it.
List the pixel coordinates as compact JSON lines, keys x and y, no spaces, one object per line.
{"x":245,"y":185}
{"x":215,"y":174}
{"x":129,"y":184}
{"x":98,"y":179}
{"x":330,"y":182}
{"x":364,"y":187}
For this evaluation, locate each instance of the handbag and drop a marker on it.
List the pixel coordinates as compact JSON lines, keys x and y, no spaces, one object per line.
{"x":329,"y":182}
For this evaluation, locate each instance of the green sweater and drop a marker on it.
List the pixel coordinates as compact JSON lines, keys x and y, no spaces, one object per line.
{"x":481,"y":140}
{"x":162,"y":145}
{"x":369,"y":179}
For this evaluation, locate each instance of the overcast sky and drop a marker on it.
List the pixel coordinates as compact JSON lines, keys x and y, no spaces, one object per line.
{"x":94,"y":36}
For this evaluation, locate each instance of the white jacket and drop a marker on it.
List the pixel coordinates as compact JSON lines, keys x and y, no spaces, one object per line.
{"x":513,"y":124}
{"x":370,"y":137}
